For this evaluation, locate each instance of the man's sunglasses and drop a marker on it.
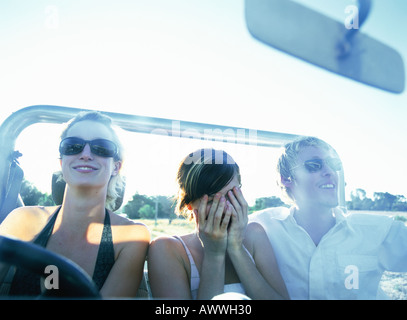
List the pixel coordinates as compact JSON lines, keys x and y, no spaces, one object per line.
{"x":315,"y":165}
{"x":100,"y":147}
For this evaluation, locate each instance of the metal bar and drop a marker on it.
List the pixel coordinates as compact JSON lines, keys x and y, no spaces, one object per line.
{"x":21,"y":119}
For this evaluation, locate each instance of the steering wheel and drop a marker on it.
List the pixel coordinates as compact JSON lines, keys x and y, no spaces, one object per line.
{"x":73,"y":281}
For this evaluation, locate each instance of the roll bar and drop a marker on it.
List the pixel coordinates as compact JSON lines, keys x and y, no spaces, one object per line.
{"x":21,"y":119}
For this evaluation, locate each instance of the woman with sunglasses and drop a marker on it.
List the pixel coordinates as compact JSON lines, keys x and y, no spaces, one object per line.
{"x":214,"y":259}
{"x":322,"y":253}
{"x":110,"y":248}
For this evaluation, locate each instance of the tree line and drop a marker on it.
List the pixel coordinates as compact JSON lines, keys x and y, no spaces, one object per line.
{"x":382,"y":201}
{"x":162,"y":207}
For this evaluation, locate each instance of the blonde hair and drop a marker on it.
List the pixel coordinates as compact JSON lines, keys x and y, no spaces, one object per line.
{"x":289,"y":158}
{"x":116,"y":183}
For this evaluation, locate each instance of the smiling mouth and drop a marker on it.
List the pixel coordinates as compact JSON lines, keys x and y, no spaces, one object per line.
{"x":327,"y":186}
{"x":84,"y":168}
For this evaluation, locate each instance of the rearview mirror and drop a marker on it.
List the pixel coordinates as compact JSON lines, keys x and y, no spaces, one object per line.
{"x":316,"y":38}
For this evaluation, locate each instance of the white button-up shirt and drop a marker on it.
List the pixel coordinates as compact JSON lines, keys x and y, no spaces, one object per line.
{"x":347,"y":263}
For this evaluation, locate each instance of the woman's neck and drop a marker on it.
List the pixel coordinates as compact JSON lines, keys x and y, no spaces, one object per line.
{"x":79,"y":208}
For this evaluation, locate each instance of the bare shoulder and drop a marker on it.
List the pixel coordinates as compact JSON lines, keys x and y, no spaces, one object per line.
{"x":168,"y":268}
{"x":168,"y":246}
{"x":254,"y":236}
{"x":168,"y":251}
{"x":26,"y":222}
{"x":254,"y":227}
{"x":127,"y":230}
{"x":255,"y":230}
{"x":165,"y":243}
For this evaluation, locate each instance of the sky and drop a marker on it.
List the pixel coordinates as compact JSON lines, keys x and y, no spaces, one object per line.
{"x":195,"y":60}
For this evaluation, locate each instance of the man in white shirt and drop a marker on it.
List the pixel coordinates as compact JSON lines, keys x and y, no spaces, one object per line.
{"x":321,"y":252}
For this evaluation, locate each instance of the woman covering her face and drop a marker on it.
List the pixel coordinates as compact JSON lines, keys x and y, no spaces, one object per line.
{"x":224,"y":254}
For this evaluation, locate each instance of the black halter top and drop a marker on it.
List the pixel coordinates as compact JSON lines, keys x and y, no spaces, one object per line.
{"x":26,"y":283}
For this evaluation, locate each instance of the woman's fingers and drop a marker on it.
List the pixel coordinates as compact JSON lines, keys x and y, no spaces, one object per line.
{"x":212,"y":218}
{"x":222,"y":211}
{"x":238,"y":202}
{"x":211,"y":232}
{"x":228,"y":215}
{"x":235,"y":203}
{"x":218,"y":211}
{"x":202,"y":210}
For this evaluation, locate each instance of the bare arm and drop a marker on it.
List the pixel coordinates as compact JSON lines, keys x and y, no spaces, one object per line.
{"x":25,"y":223}
{"x":213,"y":235}
{"x":126,"y":274}
{"x":262,"y":279}
{"x":167,"y":271}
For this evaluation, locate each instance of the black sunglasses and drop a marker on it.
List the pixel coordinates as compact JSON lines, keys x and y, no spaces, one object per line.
{"x":315,"y":165}
{"x":100,"y":147}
